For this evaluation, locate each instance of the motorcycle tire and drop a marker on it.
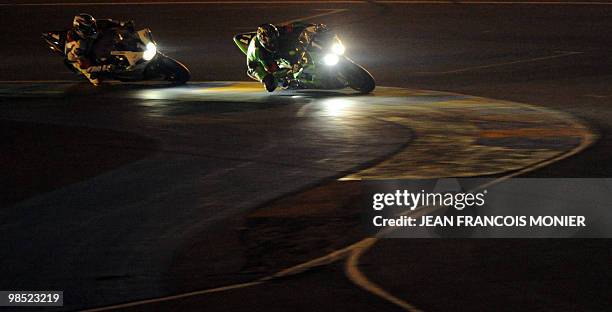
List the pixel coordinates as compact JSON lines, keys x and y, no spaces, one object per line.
{"x":358,"y":78}
{"x":173,"y":71}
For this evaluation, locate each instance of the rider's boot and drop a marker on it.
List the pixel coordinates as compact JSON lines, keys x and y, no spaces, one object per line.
{"x":295,"y":84}
{"x":93,"y":78}
{"x":269,"y":82}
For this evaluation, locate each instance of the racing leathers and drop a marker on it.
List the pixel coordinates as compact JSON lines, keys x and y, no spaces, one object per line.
{"x":79,"y":51}
{"x":262,"y":64}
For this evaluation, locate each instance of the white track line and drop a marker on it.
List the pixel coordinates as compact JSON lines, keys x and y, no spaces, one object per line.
{"x":358,"y":278}
{"x":179,"y":296}
{"x":530,"y":60}
{"x":307,"y":2}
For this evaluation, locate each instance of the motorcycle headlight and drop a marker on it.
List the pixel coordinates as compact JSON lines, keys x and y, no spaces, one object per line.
{"x":331,"y":59}
{"x":338,"y":48}
{"x":150,"y":51}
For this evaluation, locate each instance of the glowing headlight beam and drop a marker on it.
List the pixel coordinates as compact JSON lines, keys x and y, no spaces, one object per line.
{"x":331,"y":59}
{"x":338,"y":48}
{"x":150,"y":51}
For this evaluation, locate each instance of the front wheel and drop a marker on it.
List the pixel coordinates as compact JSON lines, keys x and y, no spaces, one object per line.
{"x":168,"y":69}
{"x":174,"y":71}
{"x":357,"y":77}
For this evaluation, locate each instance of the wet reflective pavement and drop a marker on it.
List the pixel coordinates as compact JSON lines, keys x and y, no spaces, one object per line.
{"x":221,"y":149}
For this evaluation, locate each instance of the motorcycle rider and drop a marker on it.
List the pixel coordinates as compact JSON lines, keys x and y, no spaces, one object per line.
{"x":80,"y":41}
{"x":270,"y":45}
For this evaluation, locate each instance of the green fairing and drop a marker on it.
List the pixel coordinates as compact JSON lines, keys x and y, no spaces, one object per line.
{"x":254,"y":56}
{"x":248,"y":45}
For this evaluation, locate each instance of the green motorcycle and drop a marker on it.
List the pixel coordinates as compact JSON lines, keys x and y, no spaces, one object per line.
{"x":319,"y":63}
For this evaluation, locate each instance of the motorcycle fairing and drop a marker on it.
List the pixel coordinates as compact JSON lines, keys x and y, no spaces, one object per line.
{"x":132,"y":56}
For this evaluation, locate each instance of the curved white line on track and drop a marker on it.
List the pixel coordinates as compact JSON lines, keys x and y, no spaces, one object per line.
{"x":352,"y":253}
{"x":359,"y":279}
{"x":352,"y":262}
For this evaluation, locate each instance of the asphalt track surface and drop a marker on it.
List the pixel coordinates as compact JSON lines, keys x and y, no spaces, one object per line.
{"x":166,"y":215}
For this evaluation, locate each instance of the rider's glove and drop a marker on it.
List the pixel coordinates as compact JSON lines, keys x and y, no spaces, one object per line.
{"x":296,"y":68}
{"x":321,"y":27}
{"x":129,"y":24}
{"x":108,"y":68}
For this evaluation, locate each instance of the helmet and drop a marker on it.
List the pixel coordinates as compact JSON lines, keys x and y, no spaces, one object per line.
{"x":85,"y":25}
{"x":267,"y":34}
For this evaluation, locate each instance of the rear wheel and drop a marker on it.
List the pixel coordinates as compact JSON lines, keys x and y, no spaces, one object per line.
{"x":358,"y":78}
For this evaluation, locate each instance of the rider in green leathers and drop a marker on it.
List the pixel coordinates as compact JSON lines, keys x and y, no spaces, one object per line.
{"x":269,"y":45}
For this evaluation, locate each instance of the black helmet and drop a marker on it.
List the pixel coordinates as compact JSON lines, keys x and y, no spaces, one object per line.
{"x":267,"y":34}
{"x":85,"y":25}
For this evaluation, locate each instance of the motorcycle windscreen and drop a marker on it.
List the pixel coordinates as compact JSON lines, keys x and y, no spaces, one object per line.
{"x":115,"y":39}
{"x":243,"y":40}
